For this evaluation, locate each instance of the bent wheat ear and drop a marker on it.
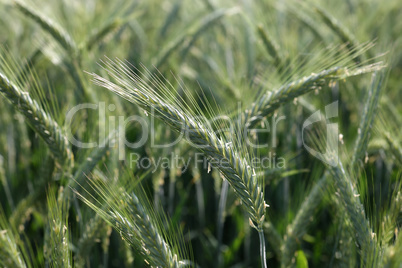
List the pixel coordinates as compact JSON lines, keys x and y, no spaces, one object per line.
{"x":271,"y":101}
{"x":235,"y":168}
{"x":39,"y":120}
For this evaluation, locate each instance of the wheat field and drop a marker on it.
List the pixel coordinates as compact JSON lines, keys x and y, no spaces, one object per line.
{"x":208,"y":133}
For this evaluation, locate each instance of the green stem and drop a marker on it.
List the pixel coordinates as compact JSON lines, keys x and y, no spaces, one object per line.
{"x":262,"y":248}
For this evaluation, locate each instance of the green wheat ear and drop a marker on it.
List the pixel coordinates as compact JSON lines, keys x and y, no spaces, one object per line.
{"x":11,"y":254}
{"x":348,"y":194}
{"x":181,"y":118}
{"x":131,"y":214}
{"x":368,"y":117}
{"x":341,"y":69}
{"x":57,"y":238}
{"x":37,"y":117}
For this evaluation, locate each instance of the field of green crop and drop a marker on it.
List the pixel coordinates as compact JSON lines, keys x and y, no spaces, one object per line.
{"x":200,"y":133}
